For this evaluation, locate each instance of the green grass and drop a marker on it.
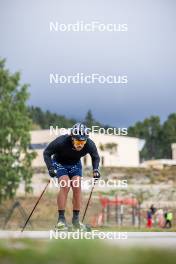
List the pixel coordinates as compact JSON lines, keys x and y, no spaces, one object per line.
{"x":78,"y":252}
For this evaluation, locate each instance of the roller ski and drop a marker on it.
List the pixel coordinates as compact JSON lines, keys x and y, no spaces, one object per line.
{"x":61,"y":226}
{"x":78,"y":226}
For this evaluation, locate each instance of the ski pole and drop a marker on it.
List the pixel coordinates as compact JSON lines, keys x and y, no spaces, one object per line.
{"x":35,"y":206}
{"x":87,"y":205}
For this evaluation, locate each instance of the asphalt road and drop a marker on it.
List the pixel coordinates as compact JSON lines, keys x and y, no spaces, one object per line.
{"x":124,"y":239}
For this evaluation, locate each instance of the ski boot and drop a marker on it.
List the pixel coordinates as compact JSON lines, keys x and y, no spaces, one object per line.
{"x":61,"y":226}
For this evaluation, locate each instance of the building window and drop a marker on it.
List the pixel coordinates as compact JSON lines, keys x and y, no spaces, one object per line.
{"x":38,"y":146}
{"x":102,"y":161}
{"x":112,"y":148}
{"x":85,"y":161}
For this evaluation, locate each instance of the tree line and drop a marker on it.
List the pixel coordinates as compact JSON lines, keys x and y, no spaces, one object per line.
{"x":44,"y":119}
{"x":158,"y":136}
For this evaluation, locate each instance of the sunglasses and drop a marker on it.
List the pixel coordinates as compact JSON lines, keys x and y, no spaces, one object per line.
{"x":79,"y":142}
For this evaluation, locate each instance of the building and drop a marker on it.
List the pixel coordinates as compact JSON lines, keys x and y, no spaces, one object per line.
{"x":159,"y":163}
{"x":173,"y":146}
{"x":162,"y":163}
{"x":117,"y":151}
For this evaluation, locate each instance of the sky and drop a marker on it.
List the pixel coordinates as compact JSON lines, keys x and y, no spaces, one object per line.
{"x":145,"y":53}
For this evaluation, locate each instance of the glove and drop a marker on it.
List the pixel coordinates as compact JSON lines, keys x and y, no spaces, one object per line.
{"x":52,"y":172}
{"x":96,"y":174}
